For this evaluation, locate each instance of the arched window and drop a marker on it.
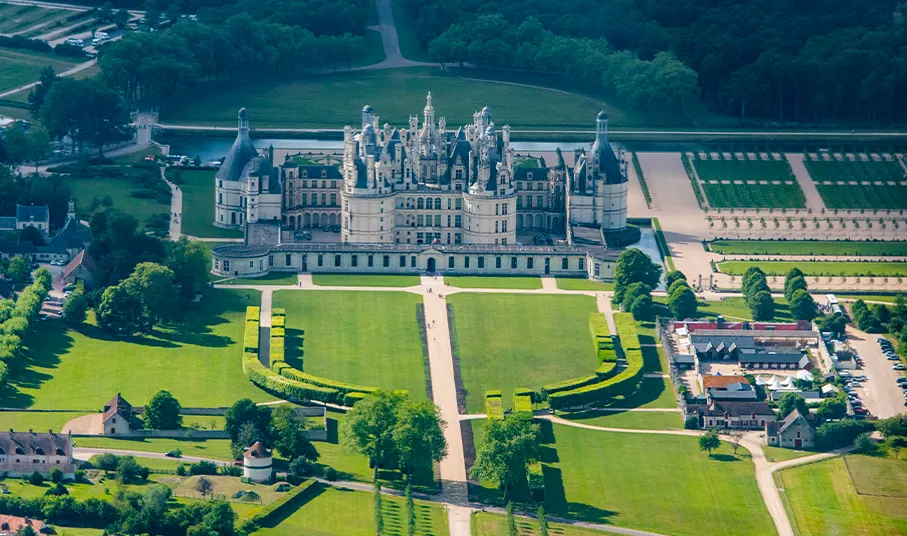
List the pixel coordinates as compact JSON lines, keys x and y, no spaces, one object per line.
{"x":421,"y":203}
{"x":437,"y":203}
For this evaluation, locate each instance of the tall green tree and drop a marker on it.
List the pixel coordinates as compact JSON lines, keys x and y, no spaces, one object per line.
{"x":802,"y":306}
{"x":190,"y":263}
{"x":683,"y":303}
{"x":791,"y":401}
{"x":634,"y":291}
{"x":634,"y":266}
{"x":511,"y":520}
{"x":75,"y":308}
{"x":709,"y":441}
{"x":510,"y":446}
{"x":162,"y":412}
{"x":762,"y":306}
{"x":154,"y":285}
{"x":121,"y":312}
{"x":542,"y":518}
{"x":410,"y":511}
{"x":419,"y":436}
{"x":369,"y":429}
{"x":792,"y":285}
{"x":18,"y":270}
{"x":289,"y":435}
{"x":245,"y":411}
{"x":672,"y":276}
{"x":37,"y":94}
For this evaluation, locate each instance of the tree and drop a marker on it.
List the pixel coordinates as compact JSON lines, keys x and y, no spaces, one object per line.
{"x":43,"y":278}
{"x":542,"y":518}
{"x":643,"y":309}
{"x":190,"y":263}
{"x":37,"y":94}
{"x":18,"y":270}
{"x":736,"y":436}
{"x":893,"y":426}
{"x":682,"y":303}
{"x":245,"y":411}
{"x":75,"y":308}
{"x":31,"y":234}
{"x":762,"y":306}
{"x":289,"y":437}
{"x":410,"y":511}
{"x":752,"y":275}
{"x":369,"y":429}
{"x":792,"y":285}
{"x":673,"y":276}
{"x":510,"y":446}
{"x":791,"y":401}
{"x":835,"y":323}
{"x":709,"y":441}
{"x":802,"y":306}
{"x":837,"y":434}
{"x":680,"y":283}
{"x":56,"y":475}
{"x":129,"y":471}
{"x":121,"y":312}
{"x":35,"y":479}
{"x":154,"y":285}
{"x":511,"y":520}
{"x":634,"y":266}
{"x":87,"y":110}
{"x":865,"y":445}
{"x":831,"y":408}
{"x":204,"y":486}
{"x":163,"y":412}
{"x":379,"y":507}
{"x":634,"y":291}
{"x":37,"y":147}
{"x":419,"y":436}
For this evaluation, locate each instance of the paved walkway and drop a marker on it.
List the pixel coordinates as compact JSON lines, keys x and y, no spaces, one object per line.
{"x":176,"y":208}
{"x":70,"y":72}
{"x":388,"y":30}
{"x":813,"y":199}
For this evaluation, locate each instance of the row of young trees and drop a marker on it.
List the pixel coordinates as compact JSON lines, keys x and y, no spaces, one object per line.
{"x":17,"y":318}
{"x":797,"y":61}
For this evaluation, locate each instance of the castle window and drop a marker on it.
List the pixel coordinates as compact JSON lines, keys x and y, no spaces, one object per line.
{"x":581,"y":264}
{"x":528,"y":201}
{"x":450,"y":262}
{"x":564,"y":265}
{"x":503,"y":241}
{"x":371,"y":261}
{"x":333,"y":184}
{"x":458,"y":221}
{"x":496,"y":227}
{"x":402,"y":261}
{"x":497,"y":262}
{"x":270,"y":260}
{"x":466,"y":262}
{"x":481,"y":262}
{"x":226,"y":266}
{"x":334,"y":200}
{"x":386,"y":261}
{"x":459,"y":187}
{"x":220,"y":198}
{"x":519,"y":202}
{"x":504,"y":208}
{"x":412,"y":261}
{"x":503,"y":226}
{"x":321,"y":260}
{"x":458,"y":239}
{"x":459,"y":174}
{"x":420,"y":220}
{"x":220,"y":184}
{"x":459,"y":203}
{"x":597,"y":269}
{"x":513,"y":262}
{"x":437,"y":220}
{"x":529,"y":263}
{"x":448,"y":238}
{"x":529,"y":175}
{"x":288,"y":259}
{"x":437,"y":203}
{"x":448,"y":220}
{"x":420,"y":203}
{"x":305,"y":184}
{"x":324,"y":199}
{"x":539,"y":202}
{"x":497,"y":209}
{"x":336,"y":260}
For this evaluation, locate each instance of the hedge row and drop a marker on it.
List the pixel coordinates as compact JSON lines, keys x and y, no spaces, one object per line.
{"x":522,"y":404}
{"x":601,"y":337}
{"x":278,"y":321}
{"x":253,"y":313}
{"x":536,"y":477}
{"x":272,"y":510}
{"x":622,"y":383}
{"x":250,"y":337}
{"x":285,"y":388}
{"x":342,"y":387}
{"x":494,"y":405}
{"x":278,"y":331}
{"x":603,"y":372}
{"x":278,"y":311}
{"x":278,"y":342}
{"x":16,"y":318}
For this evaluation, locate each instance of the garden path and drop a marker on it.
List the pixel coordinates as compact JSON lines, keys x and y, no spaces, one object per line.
{"x":176,"y":208}
{"x":813,"y":199}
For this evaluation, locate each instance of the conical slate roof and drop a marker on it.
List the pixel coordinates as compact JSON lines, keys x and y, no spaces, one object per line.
{"x":240,"y":154}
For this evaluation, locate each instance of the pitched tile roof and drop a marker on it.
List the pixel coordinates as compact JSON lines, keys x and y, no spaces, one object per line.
{"x":721,"y":382}
{"x":257,"y":450}
{"x":35,"y":444}
{"x":117,"y":406}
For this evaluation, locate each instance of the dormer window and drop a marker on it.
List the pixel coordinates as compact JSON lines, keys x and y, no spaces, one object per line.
{"x":529,"y":175}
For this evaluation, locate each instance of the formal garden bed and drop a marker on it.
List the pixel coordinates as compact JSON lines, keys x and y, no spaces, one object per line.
{"x":819,"y":268}
{"x":808,"y":247}
{"x":853,"y":183}
{"x":747,"y":181}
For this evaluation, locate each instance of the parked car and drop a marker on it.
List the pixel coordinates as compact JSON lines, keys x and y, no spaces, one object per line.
{"x":902,"y":380}
{"x":862,"y":411}
{"x":899,"y":366}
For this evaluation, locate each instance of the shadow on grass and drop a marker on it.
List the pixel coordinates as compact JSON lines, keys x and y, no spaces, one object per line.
{"x":296,"y":503}
{"x":648,"y":390}
{"x":43,"y":349}
{"x":725,"y":458}
{"x":293,"y":351}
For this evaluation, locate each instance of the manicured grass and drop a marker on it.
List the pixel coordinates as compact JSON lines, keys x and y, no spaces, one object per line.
{"x":366,"y":338}
{"x":523,"y":283}
{"x":38,"y":421}
{"x":779,"y":454}
{"x":750,"y":195}
{"x":865,"y":193}
{"x":853,"y":170}
{"x":486,"y":524}
{"x":807,"y":247}
{"x":337,"y":99}
{"x":822,"y":501}
{"x":569,"y":283}
{"x":227,"y":486}
{"x":336,"y":280}
{"x":203,"y":422}
{"x":198,"y":203}
{"x":878,"y":475}
{"x":887,"y":298}
{"x":18,"y":67}
{"x":338,"y":512}
{"x":736,"y":309}
{"x":288,"y":279}
{"x":652,"y":393}
{"x":742,"y":169}
{"x":506,"y":341}
{"x":218,"y":449}
{"x":635,"y":420}
{"x":877,"y":269}
{"x":120,"y":190}
{"x":198,"y":361}
{"x":863,"y":196}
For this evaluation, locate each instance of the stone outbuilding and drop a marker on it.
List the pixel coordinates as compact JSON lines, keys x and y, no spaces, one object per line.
{"x":795,"y":432}
{"x":117,"y":417}
{"x":257,"y":463}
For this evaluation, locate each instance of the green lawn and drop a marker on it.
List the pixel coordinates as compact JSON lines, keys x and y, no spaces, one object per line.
{"x":736,"y":309}
{"x":367,"y":338}
{"x":569,"y":283}
{"x":39,"y":421}
{"x":749,"y":195}
{"x":198,"y":361}
{"x":218,"y":449}
{"x":657,"y":483}
{"x":337,"y":99}
{"x":328,"y":511}
{"x":887,"y":298}
{"x":486,"y":524}
{"x":17,"y":18}
{"x":523,"y":283}
{"x":198,"y":203}
{"x":638,"y":420}
{"x":821,"y":500}
{"x":779,"y":454}
{"x":337,"y":280}
{"x":120,"y":191}
{"x":287,"y":279}
{"x":19,"y":67}
{"x":506,"y":341}
{"x":807,"y":247}
{"x":810,"y":268}
{"x":652,"y":393}
{"x":865,"y":194}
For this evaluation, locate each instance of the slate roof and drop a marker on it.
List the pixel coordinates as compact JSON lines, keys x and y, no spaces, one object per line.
{"x":117,"y":406}
{"x":25,"y":213}
{"x":737,"y":409}
{"x":314,"y":171}
{"x":792,"y":418}
{"x":242,"y":151}
{"x":257,"y":450}
{"x":35,"y":444}
{"x":7,"y":223}
{"x":608,"y":166}
{"x":69,"y":237}
{"x":762,"y":356}
{"x":16,"y":248}
{"x":538,"y":174}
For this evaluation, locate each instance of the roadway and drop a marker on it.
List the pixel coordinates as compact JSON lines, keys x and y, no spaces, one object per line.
{"x":880,"y":393}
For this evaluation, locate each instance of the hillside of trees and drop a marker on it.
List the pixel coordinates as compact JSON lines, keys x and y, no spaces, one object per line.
{"x":765,"y":60}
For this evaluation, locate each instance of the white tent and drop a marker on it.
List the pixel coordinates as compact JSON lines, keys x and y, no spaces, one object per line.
{"x":775,"y":385}
{"x":804,"y":375}
{"x":760,"y":380}
{"x":788,"y":382}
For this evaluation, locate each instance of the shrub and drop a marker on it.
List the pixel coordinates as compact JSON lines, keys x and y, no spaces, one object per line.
{"x":35,"y":479}
{"x":278,"y":332}
{"x":175,"y":453}
{"x":278,"y":321}
{"x":203,"y":468}
{"x":107,"y":462}
{"x":522,"y":403}
{"x":494,"y":405}
{"x":278,"y":311}
{"x":253,"y":313}
{"x":230,"y":470}
{"x":691,"y":423}
{"x":284,"y":387}
{"x":57,"y":490}
{"x":350,"y":399}
{"x":342,"y":387}
{"x":535,"y":476}
{"x":330,"y":474}
{"x":274,"y":509}
{"x":250,"y":338}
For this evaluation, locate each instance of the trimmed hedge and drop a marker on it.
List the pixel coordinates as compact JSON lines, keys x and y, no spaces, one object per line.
{"x":278,"y":332}
{"x":522,"y":403}
{"x":622,"y":383}
{"x":285,"y":388}
{"x":535,"y":476}
{"x":272,"y":510}
{"x":250,"y":337}
{"x":278,"y":311}
{"x":494,"y":405}
{"x":278,"y":321}
{"x":253,"y":313}
{"x":350,"y":399}
{"x":601,"y":337}
{"x":343,"y":388}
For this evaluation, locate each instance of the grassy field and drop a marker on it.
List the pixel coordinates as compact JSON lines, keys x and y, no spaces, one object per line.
{"x":218,"y":449}
{"x":811,"y":268}
{"x":287,"y":279}
{"x":409,"y":43}
{"x":638,"y":420}
{"x":39,"y":421}
{"x":749,"y":195}
{"x":367,"y":338}
{"x":119,"y":190}
{"x":807,"y":247}
{"x":779,"y":454}
{"x":523,"y":283}
{"x":198,"y":361}
{"x":736,"y":309}
{"x":19,"y":67}
{"x":657,"y":483}
{"x":486,"y":524}
{"x":887,"y":298}
{"x":863,"y":196}
{"x":18,"y":18}
{"x":569,"y":283}
{"x":337,"y":512}
{"x":821,"y":498}
{"x":336,"y":280}
{"x":337,"y":99}
{"x":506,"y":341}
{"x":198,"y":204}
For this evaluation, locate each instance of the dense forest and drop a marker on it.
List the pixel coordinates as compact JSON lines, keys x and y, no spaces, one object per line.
{"x":783,"y":61}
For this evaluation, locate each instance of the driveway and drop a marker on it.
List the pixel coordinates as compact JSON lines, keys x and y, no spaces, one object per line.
{"x":880,"y":393}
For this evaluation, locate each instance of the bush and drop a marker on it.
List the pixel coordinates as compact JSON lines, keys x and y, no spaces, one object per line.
{"x":283,"y":387}
{"x":522,"y":403}
{"x":230,"y":470}
{"x":691,"y":423}
{"x":535,"y":476}
{"x":250,"y":338}
{"x":278,"y":321}
{"x":175,"y":453}
{"x":56,"y":475}
{"x":57,"y":490}
{"x":35,"y":479}
{"x":832,"y":435}
{"x":203,"y":468}
{"x":330,"y":474}
{"x":253,"y":313}
{"x":278,"y":311}
{"x":106,"y":462}
{"x":494,"y":405}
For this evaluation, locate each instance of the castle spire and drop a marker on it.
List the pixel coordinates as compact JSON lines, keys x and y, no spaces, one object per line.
{"x":601,"y":128}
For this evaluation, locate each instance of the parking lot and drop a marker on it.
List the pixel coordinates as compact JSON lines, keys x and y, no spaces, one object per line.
{"x":880,"y":394}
